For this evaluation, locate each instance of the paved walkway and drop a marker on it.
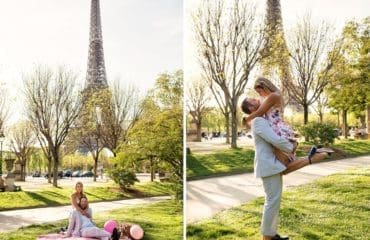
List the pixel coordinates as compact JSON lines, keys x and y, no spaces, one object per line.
{"x":209,"y":196}
{"x":14,"y":219}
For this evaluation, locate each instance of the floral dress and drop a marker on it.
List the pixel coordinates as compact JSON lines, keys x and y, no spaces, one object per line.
{"x":280,"y":127}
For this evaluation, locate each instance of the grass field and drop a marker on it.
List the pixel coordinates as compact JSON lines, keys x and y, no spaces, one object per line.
{"x":218,"y":163}
{"x":52,"y":196}
{"x":161,"y":220}
{"x":334,"y":207}
{"x":231,"y":161}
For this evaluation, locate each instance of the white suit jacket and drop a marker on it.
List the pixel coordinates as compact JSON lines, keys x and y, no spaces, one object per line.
{"x":265,"y":162}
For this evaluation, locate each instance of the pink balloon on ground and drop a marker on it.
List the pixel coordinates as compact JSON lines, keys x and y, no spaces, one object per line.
{"x":136,"y":232}
{"x":110,"y":225}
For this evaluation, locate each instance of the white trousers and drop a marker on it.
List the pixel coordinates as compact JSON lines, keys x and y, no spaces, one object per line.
{"x":95,"y":232}
{"x":272,"y":186}
{"x":75,"y":230}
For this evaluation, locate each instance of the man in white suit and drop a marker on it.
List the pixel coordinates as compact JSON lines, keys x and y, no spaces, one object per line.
{"x":270,"y":169}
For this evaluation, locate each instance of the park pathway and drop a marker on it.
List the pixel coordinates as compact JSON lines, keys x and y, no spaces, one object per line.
{"x":209,"y":196}
{"x":14,"y":219}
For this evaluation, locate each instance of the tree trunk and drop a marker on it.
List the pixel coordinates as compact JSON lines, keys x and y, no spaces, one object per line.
{"x":23,"y":171}
{"x":321,"y":116}
{"x":363,"y":121}
{"x":151,"y":169}
{"x":368,"y":120}
{"x":234,"y":129}
{"x":305,"y":117}
{"x":227,"y":125}
{"x":199,"y":131}
{"x":55,"y":171}
{"x":305,"y":113}
{"x":96,"y":159}
{"x":50,"y":163}
{"x":344,"y":124}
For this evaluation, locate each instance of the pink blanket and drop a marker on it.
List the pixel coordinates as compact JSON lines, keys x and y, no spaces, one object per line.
{"x":56,"y":236}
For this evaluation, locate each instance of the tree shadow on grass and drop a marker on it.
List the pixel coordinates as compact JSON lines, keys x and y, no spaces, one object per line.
{"x":43,"y":199}
{"x":220,"y":163}
{"x":194,"y":163}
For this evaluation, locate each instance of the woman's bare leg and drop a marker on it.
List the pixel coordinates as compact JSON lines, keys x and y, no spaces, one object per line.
{"x":303,"y":161}
{"x":298,"y":162}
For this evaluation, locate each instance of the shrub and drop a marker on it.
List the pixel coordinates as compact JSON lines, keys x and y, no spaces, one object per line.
{"x":123,"y":177}
{"x":319,"y":133}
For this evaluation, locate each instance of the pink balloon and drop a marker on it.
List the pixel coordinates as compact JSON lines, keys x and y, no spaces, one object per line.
{"x":110,"y":225}
{"x":136,"y":232}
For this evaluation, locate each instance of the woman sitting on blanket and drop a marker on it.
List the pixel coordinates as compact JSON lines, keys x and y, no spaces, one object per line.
{"x":81,"y":225}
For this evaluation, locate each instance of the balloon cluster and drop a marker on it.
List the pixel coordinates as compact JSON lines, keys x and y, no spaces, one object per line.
{"x":133,"y":231}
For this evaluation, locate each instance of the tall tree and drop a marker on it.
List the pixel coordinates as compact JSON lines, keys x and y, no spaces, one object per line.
{"x":158,"y":134}
{"x":349,"y":86}
{"x":4,"y":107}
{"x":321,"y":105}
{"x":22,"y":139}
{"x":230,"y":40}
{"x":313,"y":54}
{"x":124,"y":110}
{"x":52,"y":105}
{"x":197,"y":99}
{"x":88,"y":131}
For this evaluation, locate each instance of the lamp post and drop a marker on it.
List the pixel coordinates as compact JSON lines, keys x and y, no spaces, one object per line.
{"x":2,"y":138}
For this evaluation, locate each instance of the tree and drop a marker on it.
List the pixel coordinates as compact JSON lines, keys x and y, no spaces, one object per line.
{"x":88,"y":132}
{"x":197,"y":103}
{"x":22,"y":140}
{"x":349,"y":86}
{"x":52,"y":105}
{"x":230,"y":41}
{"x":158,"y":134}
{"x":321,"y":104}
{"x":309,"y":48}
{"x":123,"y":112}
{"x":4,"y":108}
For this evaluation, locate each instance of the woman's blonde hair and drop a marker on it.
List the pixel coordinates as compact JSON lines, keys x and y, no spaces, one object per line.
{"x":80,"y":183}
{"x":265,"y":84}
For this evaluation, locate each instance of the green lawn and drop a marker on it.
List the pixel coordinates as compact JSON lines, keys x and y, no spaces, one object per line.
{"x":160,"y":221}
{"x":52,"y":196}
{"x":232,"y":161}
{"x":334,"y":207}
{"x":220,"y":162}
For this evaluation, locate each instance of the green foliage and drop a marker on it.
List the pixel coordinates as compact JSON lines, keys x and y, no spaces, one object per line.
{"x":349,"y":87}
{"x":157,"y":135}
{"x":123,"y":177}
{"x":319,"y":133}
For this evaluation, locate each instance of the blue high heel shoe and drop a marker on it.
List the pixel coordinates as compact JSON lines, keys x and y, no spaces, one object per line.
{"x":312,"y":152}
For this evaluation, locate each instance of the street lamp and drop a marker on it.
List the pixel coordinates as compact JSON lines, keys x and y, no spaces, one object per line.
{"x":2,"y":138}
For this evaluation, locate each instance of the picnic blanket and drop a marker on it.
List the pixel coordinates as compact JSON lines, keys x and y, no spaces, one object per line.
{"x":57,"y":236}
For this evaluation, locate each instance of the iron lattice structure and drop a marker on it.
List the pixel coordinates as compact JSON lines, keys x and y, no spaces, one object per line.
{"x":96,"y":75}
{"x":276,"y":50}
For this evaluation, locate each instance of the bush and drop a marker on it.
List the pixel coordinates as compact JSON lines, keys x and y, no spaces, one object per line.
{"x":319,"y":133}
{"x":123,"y":177}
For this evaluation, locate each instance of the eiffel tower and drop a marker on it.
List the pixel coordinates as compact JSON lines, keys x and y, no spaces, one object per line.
{"x":96,"y":76}
{"x":276,"y":48}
